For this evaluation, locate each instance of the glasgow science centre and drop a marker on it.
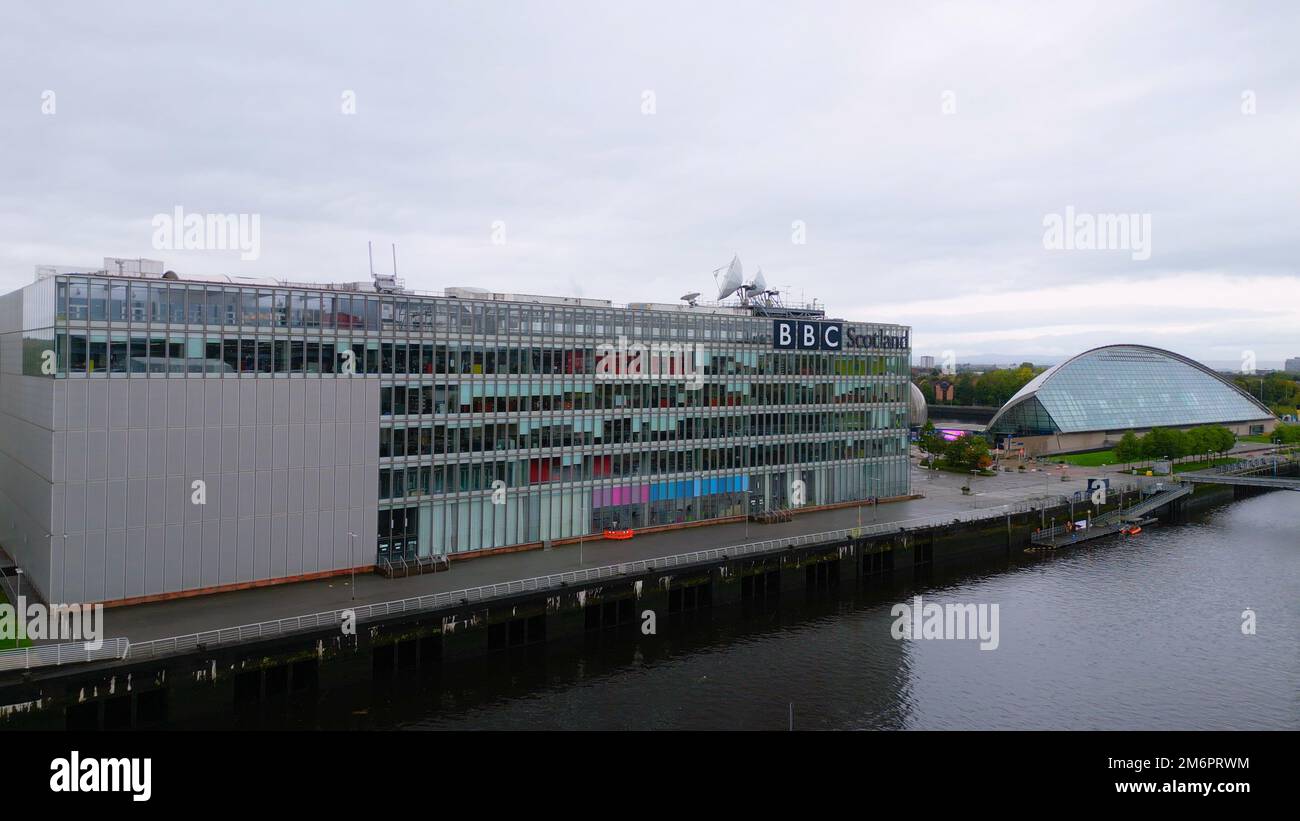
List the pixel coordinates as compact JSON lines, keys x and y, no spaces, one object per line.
{"x":166,"y":435}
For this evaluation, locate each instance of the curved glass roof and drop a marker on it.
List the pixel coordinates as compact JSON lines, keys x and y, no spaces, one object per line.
{"x":1121,"y":387}
{"x":916,"y":406}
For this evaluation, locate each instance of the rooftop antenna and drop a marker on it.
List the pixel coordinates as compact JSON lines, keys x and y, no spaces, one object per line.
{"x":388,"y":283}
{"x":756,"y":288}
{"x":691,"y":299}
{"x":732,"y":280}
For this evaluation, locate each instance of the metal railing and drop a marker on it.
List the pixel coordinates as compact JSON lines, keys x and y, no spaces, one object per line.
{"x":403,"y":566}
{"x":1112,"y":519}
{"x":1160,"y":499}
{"x":330,"y":619}
{"x":1246,"y":465}
{"x":435,"y":601}
{"x":45,"y":655}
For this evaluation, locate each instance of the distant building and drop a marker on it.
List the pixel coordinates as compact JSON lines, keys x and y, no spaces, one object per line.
{"x":927,"y":362}
{"x":1089,"y":401}
{"x":1292,"y":365}
{"x":943,"y":391}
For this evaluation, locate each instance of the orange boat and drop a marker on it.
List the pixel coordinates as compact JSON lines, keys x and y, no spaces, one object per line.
{"x":618,"y":534}
{"x":1131,"y":531}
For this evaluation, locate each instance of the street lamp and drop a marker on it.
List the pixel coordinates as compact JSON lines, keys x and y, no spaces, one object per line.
{"x":352,"y":560}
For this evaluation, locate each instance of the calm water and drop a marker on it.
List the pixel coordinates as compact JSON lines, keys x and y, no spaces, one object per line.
{"x":1143,"y":633}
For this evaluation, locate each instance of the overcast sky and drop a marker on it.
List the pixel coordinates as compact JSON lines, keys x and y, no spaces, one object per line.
{"x":624,"y":151}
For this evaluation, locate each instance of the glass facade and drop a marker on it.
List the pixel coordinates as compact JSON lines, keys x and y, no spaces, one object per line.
{"x":1124,"y":387}
{"x":499,"y":424}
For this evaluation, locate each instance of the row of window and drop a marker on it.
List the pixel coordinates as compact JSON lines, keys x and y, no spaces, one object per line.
{"x":500,"y":397}
{"x":424,"y":480}
{"x":439,"y":439}
{"x":157,"y":301}
{"x":456,"y":524}
{"x":129,"y":352}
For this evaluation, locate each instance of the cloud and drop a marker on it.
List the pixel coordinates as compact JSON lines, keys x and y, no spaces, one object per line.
{"x":531,"y":115}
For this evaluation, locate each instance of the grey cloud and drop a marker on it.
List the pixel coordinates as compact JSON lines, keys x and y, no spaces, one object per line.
{"x":530,"y":114}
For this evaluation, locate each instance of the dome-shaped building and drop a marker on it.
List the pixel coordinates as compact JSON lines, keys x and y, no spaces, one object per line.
{"x":1090,"y":400}
{"x":917,"y":410}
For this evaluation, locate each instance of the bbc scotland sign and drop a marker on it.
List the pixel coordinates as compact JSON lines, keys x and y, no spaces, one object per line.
{"x":799,"y":335}
{"x":790,"y":335}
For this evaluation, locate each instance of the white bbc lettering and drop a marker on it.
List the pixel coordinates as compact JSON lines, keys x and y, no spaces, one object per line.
{"x":831,"y":337}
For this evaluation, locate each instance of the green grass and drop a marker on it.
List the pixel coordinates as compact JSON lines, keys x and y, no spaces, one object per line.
{"x":940,"y":465}
{"x":1094,"y":459}
{"x":9,"y":644}
{"x":1107,"y":457}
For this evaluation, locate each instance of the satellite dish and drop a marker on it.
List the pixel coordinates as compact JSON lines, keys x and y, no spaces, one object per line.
{"x":760,"y":282}
{"x":734,"y":278}
{"x":690,"y":298}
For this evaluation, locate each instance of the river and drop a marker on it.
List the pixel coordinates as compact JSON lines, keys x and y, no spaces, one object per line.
{"x":1137,"y":633}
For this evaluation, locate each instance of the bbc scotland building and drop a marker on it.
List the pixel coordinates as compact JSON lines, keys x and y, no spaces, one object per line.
{"x":169,"y":436}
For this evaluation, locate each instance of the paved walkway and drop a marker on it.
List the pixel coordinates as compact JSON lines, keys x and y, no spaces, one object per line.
{"x":942,"y":493}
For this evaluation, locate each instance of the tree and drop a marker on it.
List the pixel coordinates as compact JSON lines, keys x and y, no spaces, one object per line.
{"x":1287,"y":434}
{"x":931,"y":442}
{"x":970,"y":452}
{"x":1129,"y":448}
{"x":1220,"y":438}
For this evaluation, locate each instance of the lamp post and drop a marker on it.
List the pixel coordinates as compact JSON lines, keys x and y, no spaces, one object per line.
{"x":749,"y":511}
{"x":352,"y":560}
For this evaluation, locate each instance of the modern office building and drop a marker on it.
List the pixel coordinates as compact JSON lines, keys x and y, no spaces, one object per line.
{"x":166,"y":435}
{"x":1292,"y":365}
{"x":1088,"y":401}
